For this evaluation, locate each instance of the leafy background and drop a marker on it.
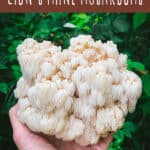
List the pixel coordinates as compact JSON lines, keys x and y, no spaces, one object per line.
{"x":131,"y":32}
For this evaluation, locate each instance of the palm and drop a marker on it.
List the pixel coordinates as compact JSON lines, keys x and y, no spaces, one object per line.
{"x":25,"y":139}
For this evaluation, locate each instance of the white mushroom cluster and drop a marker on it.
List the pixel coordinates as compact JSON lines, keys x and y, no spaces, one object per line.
{"x":81,"y":93}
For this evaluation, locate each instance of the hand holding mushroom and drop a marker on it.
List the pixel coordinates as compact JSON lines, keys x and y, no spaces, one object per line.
{"x":81,"y":93}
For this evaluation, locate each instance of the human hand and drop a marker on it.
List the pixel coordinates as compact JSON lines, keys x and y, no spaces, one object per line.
{"x":27,"y":140}
{"x":103,"y":144}
{"x":24,"y":138}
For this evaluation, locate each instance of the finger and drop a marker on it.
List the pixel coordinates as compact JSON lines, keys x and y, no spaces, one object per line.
{"x":103,"y":143}
{"x":16,"y":124}
{"x":19,"y":129}
{"x":108,"y":139}
{"x":13,"y":116}
{"x":23,"y":137}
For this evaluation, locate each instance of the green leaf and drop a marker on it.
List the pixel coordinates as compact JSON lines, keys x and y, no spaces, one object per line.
{"x":13,"y":46}
{"x":80,"y":19}
{"x":121,"y":25}
{"x":2,"y":67}
{"x":129,"y":128}
{"x":146,"y":107}
{"x":3,"y":87}
{"x":9,"y":100}
{"x":146,"y":84}
{"x":102,"y":31}
{"x":116,"y":39}
{"x":139,"y":19}
{"x":135,"y":65}
{"x":43,"y":28}
{"x":16,"y":71}
{"x":119,"y":136}
{"x":12,"y":57}
{"x":147,"y":60}
{"x":29,"y":17}
{"x":83,"y":16}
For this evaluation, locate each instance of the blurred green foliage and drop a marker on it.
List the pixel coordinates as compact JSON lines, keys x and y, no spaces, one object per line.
{"x":131,"y":32}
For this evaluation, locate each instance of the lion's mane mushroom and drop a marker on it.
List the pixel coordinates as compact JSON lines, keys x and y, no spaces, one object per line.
{"x":80,"y":94}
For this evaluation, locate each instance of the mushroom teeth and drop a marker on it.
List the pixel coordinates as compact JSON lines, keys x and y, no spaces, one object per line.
{"x":82,"y":93}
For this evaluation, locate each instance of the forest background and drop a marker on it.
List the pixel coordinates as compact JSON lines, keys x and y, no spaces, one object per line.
{"x":131,"y":32}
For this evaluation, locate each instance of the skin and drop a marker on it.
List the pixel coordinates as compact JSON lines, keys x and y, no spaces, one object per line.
{"x":27,"y":140}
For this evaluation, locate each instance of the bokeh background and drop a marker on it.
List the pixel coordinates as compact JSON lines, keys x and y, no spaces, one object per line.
{"x":131,"y":32}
